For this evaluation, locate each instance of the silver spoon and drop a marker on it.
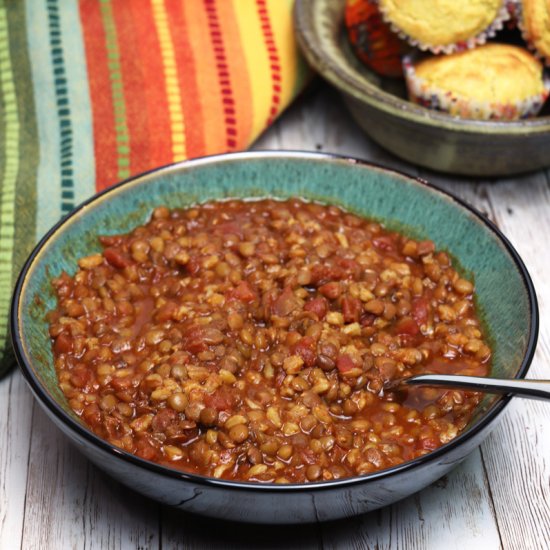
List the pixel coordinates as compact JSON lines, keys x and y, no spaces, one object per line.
{"x":532,"y":389}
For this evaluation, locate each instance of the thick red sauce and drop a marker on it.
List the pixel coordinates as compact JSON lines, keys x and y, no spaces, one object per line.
{"x":252,"y":341}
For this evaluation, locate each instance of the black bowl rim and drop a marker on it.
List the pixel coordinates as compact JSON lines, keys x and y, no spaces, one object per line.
{"x":55,"y":409}
{"x":372,"y":95}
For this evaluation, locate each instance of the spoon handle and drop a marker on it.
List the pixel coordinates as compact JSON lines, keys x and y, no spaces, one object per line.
{"x":532,"y":389}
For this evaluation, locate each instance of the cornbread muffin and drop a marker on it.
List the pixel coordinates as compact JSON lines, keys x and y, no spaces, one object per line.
{"x":372,"y":40}
{"x":534,"y":22}
{"x":495,"y":81}
{"x":445,"y":25}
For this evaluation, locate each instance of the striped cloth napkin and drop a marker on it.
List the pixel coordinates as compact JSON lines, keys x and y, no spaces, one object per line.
{"x":94,"y":91}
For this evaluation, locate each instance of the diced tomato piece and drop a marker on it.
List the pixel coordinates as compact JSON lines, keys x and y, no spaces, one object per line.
{"x":145,"y":450}
{"x":351,"y":309}
{"x":317,"y":274}
{"x":326,"y":273}
{"x":123,"y":383}
{"x":331,"y":290}
{"x":286,"y":303}
{"x":243,"y":292}
{"x":419,"y":310}
{"x":196,"y":346}
{"x":407,"y":326}
{"x":345,"y":363}
{"x":92,"y":415}
{"x":367,"y":319}
{"x":318,"y":306}
{"x":116,"y":257}
{"x":193,"y":266}
{"x":166,"y":312}
{"x":112,"y":426}
{"x":80,"y":376}
{"x":63,"y":344}
{"x":351,"y":267}
{"x":336,"y":273}
{"x":305,"y":348}
{"x":385,"y":243}
{"x":308,"y":455}
{"x":179,"y":358}
{"x":199,"y":338}
{"x":229,"y":228}
{"x":163,"y":419}
{"x":221,"y":399}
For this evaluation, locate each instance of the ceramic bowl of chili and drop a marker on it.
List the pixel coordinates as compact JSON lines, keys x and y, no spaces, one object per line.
{"x":504,"y":296}
{"x":422,"y":136}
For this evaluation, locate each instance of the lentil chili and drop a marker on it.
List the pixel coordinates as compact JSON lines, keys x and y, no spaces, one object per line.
{"x":251,"y":340}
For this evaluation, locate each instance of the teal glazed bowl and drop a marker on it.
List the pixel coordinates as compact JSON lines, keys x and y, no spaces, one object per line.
{"x":419,"y":135}
{"x":506,"y":300}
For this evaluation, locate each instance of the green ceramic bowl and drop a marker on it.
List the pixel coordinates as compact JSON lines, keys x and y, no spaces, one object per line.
{"x":417,"y":134}
{"x":506,"y":301}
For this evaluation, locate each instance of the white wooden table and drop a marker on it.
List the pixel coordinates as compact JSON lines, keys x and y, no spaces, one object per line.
{"x":53,"y":498}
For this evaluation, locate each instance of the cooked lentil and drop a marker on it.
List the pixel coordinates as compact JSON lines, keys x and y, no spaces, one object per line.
{"x":251,"y":341}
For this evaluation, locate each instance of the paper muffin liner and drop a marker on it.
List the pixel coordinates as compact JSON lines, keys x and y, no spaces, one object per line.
{"x":526,"y":36}
{"x":440,"y":99}
{"x":496,"y":25}
{"x":512,"y":6}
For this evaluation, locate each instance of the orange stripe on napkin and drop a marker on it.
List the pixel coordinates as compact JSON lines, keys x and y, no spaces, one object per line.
{"x":285,"y":46}
{"x":156,"y":106}
{"x":248,"y":22}
{"x":171,"y":80}
{"x":100,"y":92}
{"x":207,"y":76}
{"x":239,"y":78}
{"x":188,"y":66}
{"x":134,"y":87}
{"x":174,"y":79}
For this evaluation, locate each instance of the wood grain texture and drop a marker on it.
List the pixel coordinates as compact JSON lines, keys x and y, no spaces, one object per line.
{"x":51,"y":497}
{"x":425,"y":520}
{"x":71,"y":504}
{"x":16,"y":406}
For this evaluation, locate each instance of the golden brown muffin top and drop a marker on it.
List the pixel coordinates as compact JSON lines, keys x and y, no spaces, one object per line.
{"x":493,"y":72}
{"x":440,"y":22}
{"x":536,"y":25}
